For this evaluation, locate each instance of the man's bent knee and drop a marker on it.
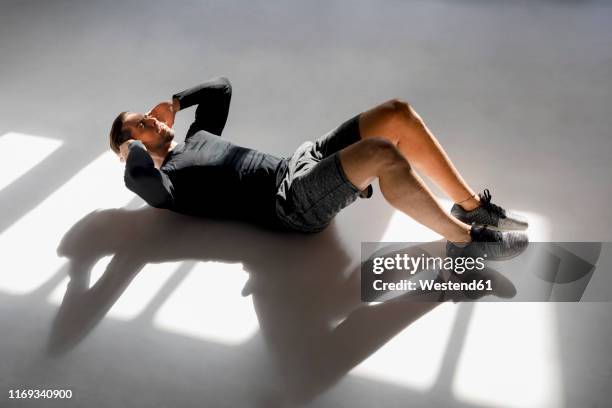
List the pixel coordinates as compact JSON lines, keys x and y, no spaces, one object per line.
{"x":396,"y":110}
{"x":402,"y":110}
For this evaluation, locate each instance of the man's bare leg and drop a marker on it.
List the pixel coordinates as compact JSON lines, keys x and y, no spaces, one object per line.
{"x":398,"y":122}
{"x":375,"y":157}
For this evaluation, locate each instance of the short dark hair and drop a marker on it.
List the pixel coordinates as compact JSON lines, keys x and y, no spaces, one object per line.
{"x":118,"y":134}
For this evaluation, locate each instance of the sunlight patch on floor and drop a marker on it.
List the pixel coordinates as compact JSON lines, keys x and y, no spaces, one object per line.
{"x":413,"y":358}
{"x":206,"y":305}
{"x":29,"y":246}
{"x":13,"y":166}
{"x":510,"y":357}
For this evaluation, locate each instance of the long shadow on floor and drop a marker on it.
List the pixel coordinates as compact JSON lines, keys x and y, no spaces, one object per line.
{"x":305,"y":288}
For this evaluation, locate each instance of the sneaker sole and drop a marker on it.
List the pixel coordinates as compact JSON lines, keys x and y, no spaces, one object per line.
{"x":494,"y":228}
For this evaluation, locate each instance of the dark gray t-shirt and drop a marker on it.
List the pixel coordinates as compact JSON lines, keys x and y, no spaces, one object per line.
{"x":207,"y":175}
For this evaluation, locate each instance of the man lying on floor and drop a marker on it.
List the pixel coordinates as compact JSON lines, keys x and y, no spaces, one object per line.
{"x":209,"y":176}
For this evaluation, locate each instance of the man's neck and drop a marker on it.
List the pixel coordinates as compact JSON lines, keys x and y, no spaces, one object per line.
{"x":159,"y":157}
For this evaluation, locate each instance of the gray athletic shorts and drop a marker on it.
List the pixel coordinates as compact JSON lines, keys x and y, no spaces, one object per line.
{"x":315,"y":188}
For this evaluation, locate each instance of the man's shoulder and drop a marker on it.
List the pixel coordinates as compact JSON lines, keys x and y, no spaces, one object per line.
{"x":203,"y":136}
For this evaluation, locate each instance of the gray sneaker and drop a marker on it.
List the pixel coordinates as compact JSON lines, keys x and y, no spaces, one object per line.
{"x":494,"y":245}
{"x":491,"y":215}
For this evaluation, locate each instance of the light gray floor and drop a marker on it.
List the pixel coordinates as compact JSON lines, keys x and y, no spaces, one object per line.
{"x":518,"y":92}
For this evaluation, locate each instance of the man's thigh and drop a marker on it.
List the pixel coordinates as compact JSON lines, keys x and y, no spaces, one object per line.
{"x":381,"y":121}
{"x":338,"y":138}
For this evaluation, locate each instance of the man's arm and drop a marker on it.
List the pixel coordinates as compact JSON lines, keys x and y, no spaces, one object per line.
{"x":144,"y":179}
{"x":213,"y":98}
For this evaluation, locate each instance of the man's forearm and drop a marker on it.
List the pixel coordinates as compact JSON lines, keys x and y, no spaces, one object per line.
{"x":215,"y":91}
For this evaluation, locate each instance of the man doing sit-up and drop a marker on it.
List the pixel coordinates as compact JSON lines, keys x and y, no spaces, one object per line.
{"x":207,"y":175}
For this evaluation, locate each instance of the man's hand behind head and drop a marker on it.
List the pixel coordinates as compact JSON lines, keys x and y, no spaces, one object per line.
{"x":124,"y":149}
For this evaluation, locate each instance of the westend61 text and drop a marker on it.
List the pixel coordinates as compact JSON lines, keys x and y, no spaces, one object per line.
{"x":428,"y":285}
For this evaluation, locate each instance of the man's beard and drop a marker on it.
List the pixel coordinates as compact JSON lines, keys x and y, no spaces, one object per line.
{"x":167,"y":134}
{"x":165,"y":138}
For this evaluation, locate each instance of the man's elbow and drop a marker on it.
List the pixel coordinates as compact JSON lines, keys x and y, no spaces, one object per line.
{"x":227,"y":85}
